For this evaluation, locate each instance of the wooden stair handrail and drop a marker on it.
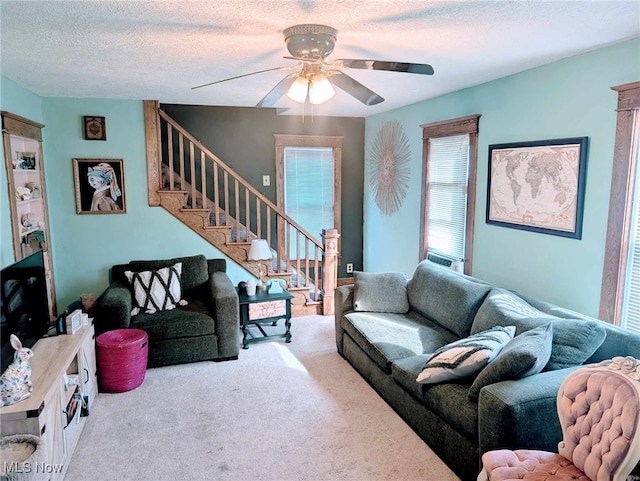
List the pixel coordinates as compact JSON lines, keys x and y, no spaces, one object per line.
{"x":239,"y":179}
{"x":318,"y":273}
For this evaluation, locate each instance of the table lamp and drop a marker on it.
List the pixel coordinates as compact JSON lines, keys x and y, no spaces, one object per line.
{"x":259,"y":251}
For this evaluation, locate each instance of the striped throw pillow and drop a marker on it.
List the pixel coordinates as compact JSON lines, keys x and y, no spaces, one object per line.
{"x":465,"y":357}
{"x":158,"y":290}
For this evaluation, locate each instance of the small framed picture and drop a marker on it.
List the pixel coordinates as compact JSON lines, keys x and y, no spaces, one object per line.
{"x":95,"y":128}
{"x":74,"y":321}
{"x":99,"y":186}
{"x":25,"y":160}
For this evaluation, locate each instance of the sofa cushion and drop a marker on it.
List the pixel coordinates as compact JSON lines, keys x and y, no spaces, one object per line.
{"x":195,"y":272}
{"x":380,"y":292}
{"x":618,"y":341}
{"x":156,"y":290}
{"x":451,"y":401}
{"x":446,"y":297}
{"x":574,"y":340}
{"x":439,"y":397}
{"x":178,"y":323}
{"x":386,"y":337}
{"x":524,"y":355}
{"x":406,"y":370}
{"x":465,"y":357}
{"x":503,"y":308}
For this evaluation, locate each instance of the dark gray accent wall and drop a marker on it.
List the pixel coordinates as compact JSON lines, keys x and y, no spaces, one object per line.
{"x":242,"y":137}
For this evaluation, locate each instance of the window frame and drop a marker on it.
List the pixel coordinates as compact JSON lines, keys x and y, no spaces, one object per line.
{"x":623,"y":180}
{"x":446,"y":128}
{"x":333,"y":141}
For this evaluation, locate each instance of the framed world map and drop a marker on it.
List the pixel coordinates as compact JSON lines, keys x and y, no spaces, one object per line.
{"x":538,"y":186}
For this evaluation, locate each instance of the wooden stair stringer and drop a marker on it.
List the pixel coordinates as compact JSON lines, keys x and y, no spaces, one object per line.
{"x":301,"y":304}
{"x":218,"y":236}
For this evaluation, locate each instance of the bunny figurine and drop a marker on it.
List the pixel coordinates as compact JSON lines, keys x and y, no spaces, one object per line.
{"x":15,"y":382}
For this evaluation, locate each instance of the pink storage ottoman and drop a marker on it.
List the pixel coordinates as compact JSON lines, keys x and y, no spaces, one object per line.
{"x":122,"y":359}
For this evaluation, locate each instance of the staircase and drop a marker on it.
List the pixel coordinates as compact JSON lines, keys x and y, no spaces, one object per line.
{"x":205,"y":194}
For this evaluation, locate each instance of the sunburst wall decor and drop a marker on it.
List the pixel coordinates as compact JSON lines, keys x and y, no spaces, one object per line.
{"x":390,"y":167}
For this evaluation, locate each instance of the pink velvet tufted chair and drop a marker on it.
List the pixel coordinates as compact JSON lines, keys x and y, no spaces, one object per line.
{"x":599,"y":411}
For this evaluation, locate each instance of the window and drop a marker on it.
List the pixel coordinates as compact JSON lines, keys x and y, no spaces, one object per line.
{"x":308,"y":180}
{"x":447,"y":165}
{"x":620,"y":294}
{"x":448,"y":183}
{"x":631,"y":304}
{"x":308,"y":187}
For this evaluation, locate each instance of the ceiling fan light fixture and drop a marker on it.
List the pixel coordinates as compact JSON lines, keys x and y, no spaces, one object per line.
{"x":298,"y":91}
{"x":320,"y":89}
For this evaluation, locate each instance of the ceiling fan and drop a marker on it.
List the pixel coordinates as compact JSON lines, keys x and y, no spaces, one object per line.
{"x":310,"y":44}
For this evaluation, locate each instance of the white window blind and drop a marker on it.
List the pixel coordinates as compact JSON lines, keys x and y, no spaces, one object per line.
{"x":447,"y":176}
{"x":631,"y":310}
{"x":308,"y":187}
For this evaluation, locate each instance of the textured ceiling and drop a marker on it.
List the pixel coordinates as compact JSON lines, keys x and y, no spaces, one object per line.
{"x":159,"y":50}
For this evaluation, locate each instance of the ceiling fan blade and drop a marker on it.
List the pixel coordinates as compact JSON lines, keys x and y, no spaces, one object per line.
{"x":246,"y":75}
{"x":278,"y":91}
{"x":405,"y":67}
{"x":303,"y":59}
{"x":354,"y":88}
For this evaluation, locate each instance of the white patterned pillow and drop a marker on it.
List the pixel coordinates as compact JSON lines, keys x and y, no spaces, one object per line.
{"x":158,"y":290}
{"x":465,"y":357}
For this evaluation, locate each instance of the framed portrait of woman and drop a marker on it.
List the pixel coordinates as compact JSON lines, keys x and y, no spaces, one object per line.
{"x":99,"y":186}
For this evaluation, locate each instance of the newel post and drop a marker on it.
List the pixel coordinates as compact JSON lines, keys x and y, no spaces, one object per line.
{"x":154,"y":156}
{"x":329,"y":270}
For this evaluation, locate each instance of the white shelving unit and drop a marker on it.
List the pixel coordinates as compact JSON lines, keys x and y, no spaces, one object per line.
{"x":22,"y":142}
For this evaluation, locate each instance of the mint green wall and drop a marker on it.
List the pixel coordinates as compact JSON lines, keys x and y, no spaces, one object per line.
{"x":85,"y":246}
{"x":25,"y":103}
{"x":569,"y":98}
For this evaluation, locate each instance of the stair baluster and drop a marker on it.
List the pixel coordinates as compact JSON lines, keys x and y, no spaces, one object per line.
{"x":306,"y":269}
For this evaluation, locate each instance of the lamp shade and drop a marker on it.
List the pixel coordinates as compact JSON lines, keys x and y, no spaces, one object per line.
{"x":320,"y":89}
{"x":298,"y":91}
{"x":259,"y":250}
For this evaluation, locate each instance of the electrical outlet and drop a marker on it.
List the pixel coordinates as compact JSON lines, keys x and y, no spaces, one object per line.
{"x":266,"y":180}
{"x":350,"y":268}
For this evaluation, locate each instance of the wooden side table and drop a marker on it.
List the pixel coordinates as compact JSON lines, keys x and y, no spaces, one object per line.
{"x":263,"y":309}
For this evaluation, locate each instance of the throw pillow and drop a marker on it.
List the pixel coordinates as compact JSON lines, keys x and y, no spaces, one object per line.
{"x":380,"y":292}
{"x":525,"y":355}
{"x":157,"y":290}
{"x":465,"y":357}
{"x":195,"y":271}
{"x":574,"y":341}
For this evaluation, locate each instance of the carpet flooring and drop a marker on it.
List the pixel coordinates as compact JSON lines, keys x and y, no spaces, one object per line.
{"x":294,"y":411}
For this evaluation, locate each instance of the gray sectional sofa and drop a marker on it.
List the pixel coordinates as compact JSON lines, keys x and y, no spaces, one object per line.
{"x":387,"y":327}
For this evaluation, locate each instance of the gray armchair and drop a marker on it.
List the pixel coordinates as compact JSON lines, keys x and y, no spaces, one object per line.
{"x":204,"y":329}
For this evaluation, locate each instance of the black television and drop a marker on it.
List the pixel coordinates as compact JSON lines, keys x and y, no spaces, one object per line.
{"x":24,"y":306}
